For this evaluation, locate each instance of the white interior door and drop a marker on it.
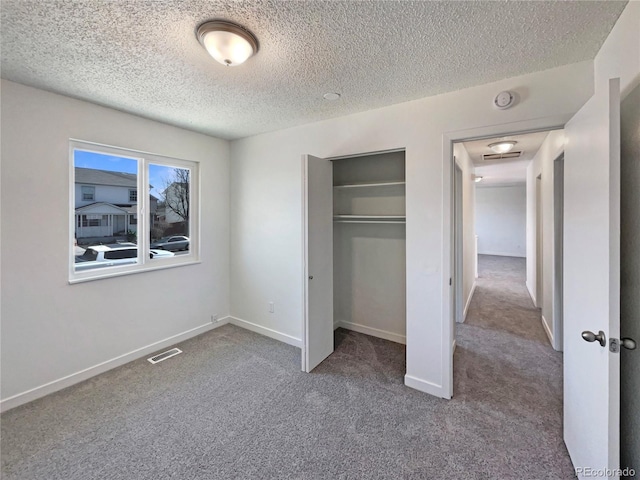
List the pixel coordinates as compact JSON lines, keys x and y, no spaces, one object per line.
{"x":592,"y":281}
{"x":318,"y":246}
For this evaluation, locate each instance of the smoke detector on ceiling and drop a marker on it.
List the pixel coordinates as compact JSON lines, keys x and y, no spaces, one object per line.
{"x":504,"y":100}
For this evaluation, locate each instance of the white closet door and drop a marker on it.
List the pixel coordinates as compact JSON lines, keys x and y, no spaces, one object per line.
{"x":318,"y":246}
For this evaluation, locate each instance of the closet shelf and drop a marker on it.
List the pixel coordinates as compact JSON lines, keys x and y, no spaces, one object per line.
{"x":370,"y":184}
{"x":369,"y":218}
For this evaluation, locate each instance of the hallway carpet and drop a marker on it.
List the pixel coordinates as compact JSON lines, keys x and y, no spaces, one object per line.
{"x":234,"y":405}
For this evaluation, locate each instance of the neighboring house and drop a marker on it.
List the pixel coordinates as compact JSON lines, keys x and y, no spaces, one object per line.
{"x":106,"y":203}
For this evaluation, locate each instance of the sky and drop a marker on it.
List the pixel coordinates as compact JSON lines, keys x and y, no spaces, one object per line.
{"x":100,"y":161}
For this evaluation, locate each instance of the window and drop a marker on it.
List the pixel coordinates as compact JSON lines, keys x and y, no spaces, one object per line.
{"x":93,"y":220}
{"x":115,"y":238}
{"x":88,"y":193}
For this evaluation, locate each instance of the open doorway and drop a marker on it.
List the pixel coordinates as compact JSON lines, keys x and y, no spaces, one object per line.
{"x":507,"y":218}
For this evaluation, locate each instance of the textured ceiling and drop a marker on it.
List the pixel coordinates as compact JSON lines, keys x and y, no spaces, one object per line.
{"x":142,"y":56}
{"x":504,"y":172}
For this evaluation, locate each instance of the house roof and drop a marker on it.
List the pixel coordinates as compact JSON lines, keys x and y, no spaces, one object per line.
{"x":90,"y":176}
{"x":143,"y":57}
{"x":102,"y":208}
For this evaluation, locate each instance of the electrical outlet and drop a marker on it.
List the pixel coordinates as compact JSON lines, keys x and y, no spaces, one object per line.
{"x":214,"y":318}
{"x":271,"y":307}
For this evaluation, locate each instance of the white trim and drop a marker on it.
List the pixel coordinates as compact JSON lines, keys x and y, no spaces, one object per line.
{"x":453,"y":347}
{"x":533,"y":297}
{"x":547,"y":330}
{"x":69,"y":380}
{"x":119,"y":271}
{"x":426,"y":387}
{"x":504,"y":254}
{"x":374,"y":332}
{"x":367,"y":154}
{"x":466,"y":306}
{"x":267,"y":332}
{"x":336,"y":325}
{"x":304,"y":341}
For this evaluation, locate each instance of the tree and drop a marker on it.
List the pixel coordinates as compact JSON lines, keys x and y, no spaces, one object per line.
{"x":176,"y":194}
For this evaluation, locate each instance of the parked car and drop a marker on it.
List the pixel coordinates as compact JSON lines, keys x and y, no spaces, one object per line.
{"x":153,"y":253}
{"x":173,"y":243}
{"x":100,"y":256}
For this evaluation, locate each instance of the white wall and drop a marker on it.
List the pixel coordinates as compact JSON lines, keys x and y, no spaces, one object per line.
{"x":469,"y":254}
{"x":501,"y":217}
{"x":266,"y":201}
{"x":542,"y":164}
{"x":50,"y":329}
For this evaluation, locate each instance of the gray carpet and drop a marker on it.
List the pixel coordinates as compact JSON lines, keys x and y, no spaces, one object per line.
{"x":234,"y":405}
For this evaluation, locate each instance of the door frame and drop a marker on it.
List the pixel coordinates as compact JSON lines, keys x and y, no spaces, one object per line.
{"x":458,"y":235}
{"x":558,"y":251}
{"x":448,"y":209}
{"x":539,"y":247}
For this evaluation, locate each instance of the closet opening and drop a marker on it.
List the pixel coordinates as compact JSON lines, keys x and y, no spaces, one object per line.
{"x":369,"y":245}
{"x":354,"y":251}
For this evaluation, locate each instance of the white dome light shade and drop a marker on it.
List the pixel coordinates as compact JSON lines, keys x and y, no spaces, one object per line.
{"x":502,"y":147}
{"x":226,"y":42}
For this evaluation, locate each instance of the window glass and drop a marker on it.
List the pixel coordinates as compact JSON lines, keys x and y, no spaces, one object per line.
{"x":117,"y":254}
{"x":103,"y":184}
{"x":88,"y":193}
{"x":172,"y":188}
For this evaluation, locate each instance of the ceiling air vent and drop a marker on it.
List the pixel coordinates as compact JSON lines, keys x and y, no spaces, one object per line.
{"x":163,"y":356}
{"x":500,"y":156}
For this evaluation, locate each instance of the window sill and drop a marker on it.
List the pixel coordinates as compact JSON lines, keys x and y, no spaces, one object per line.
{"x":108,"y":272}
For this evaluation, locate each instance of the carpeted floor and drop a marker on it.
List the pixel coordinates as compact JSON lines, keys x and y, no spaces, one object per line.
{"x":235,"y":405}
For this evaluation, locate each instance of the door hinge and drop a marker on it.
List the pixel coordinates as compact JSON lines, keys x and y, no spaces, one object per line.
{"x":449,"y":281}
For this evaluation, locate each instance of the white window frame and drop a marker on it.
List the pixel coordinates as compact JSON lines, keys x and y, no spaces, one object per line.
{"x":133,"y":191}
{"x":144,"y":262}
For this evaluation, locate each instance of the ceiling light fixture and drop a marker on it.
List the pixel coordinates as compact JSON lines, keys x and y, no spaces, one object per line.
{"x":228,"y":43}
{"x":502,"y":147}
{"x":477,"y":178}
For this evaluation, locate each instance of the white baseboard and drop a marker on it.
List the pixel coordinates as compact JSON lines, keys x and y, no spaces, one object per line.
{"x":336,"y":325}
{"x":374,"y":332}
{"x":503,"y":254}
{"x":425,"y":386}
{"x":267,"y":332}
{"x":466,"y":307}
{"x":547,"y":330}
{"x":69,"y":380}
{"x":533,"y":297}
{"x":454,"y":344}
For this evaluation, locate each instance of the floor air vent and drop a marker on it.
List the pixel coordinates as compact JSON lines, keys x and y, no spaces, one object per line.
{"x":163,"y":356}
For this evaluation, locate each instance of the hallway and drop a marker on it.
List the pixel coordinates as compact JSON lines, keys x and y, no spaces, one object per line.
{"x":505,"y":366}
